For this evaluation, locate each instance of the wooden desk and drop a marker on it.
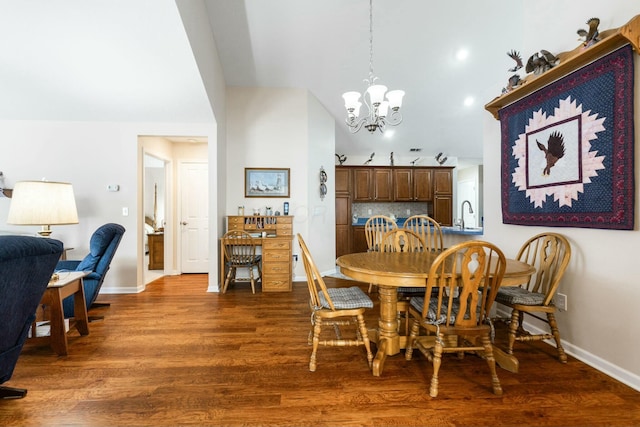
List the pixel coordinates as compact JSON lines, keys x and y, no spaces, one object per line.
{"x":277,"y":266}
{"x":70,"y":283}
{"x":391,"y":270}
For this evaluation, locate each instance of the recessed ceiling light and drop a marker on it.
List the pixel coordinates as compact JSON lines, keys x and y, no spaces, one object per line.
{"x":389,"y":133}
{"x":468,"y":101}
{"x":462,"y":54}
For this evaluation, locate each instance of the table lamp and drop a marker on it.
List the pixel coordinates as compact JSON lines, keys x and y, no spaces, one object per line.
{"x":42,"y":203}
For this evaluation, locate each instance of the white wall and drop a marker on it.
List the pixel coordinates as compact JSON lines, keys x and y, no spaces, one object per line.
{"x":602,"y":324}
{"x":281,"y":128}
{"x":195,"y":19}
{"x":91,"y":156}
{"x":321,"y":212}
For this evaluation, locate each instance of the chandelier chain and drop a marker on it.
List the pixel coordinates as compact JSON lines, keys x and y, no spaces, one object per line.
{"x":371,"y":41}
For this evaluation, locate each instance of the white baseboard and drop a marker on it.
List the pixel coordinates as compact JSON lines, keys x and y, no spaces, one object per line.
{"x":596,"y":362}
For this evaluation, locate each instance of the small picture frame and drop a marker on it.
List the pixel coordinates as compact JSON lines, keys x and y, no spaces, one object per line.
{"x":266,"y":182}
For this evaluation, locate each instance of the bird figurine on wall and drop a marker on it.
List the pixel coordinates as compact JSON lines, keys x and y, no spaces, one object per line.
{"x":441,"y":159}
{"x":514,"y":81}
{"x":413,"y":162}
{"x":370,"y":158}
{"x":516,"y":57}
{"x":541,"y":61}
{"x":341,"y":158}
{"x":591,"y":36}
{"x":553,"y":152}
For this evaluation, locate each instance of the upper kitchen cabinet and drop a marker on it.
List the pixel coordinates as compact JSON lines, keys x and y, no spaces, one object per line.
{"x":372,"y":184}
{"x":412,"y":185}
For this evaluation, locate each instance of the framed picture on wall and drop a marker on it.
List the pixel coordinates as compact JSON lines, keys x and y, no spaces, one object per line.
{"x":266,"y":182}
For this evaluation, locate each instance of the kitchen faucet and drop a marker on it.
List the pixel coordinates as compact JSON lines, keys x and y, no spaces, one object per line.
{"x":462,"y":212}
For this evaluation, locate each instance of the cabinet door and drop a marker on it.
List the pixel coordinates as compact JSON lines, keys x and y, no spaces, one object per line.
{"x":382,"y":185}
{"x":442,"y":209}
{"x":442,"y":181}
{"x":343,"y":180}
{"x":422,"y":185}
{"x":358,"y":240}
{"x":362,"y":185}
{"x":343,"y":240}
{"x":403,"y":185}
{"x":343,"y":224}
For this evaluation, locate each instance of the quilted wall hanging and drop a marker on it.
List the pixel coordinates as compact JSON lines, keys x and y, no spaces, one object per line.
{"x":567,"y":149}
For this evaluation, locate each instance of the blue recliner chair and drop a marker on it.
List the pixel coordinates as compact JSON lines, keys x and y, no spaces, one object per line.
{"x":26,"y":265}
{"x":102,"y":248}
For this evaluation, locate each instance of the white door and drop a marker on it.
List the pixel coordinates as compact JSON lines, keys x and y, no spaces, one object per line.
{"x":194,"y":222}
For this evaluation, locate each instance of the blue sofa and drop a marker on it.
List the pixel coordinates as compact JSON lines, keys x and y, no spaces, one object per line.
{"x":102,"y":248}
{"x":26,"y":265}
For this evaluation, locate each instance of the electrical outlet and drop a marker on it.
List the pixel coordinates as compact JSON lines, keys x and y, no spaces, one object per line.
{"x":295,"y":258}
{"x":561,"y":302}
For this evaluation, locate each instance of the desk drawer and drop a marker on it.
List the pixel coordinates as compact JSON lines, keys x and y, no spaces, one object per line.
{"x":276,"y":244}
{"x":274,"y":268}
{"x":275,"y":283}
{"x":276,"y":255}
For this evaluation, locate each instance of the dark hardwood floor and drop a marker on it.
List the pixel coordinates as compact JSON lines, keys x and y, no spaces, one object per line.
{"x":177,"y":355}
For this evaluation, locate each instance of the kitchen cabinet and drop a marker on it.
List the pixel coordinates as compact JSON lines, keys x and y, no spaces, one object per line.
{"x":412,"y":185}
{"x":372,"y":184}
{"x":343,"y":211}
{"x":358,"y":239}
{"x":443,"y":196}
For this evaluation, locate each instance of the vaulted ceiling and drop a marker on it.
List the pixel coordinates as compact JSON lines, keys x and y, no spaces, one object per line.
{"x":130,"y":60}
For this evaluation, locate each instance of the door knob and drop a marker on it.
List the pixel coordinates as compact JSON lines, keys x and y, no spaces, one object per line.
{"x":184,"y":223}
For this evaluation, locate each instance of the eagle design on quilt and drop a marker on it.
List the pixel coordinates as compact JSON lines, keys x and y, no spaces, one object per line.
{"x":553,"y":152}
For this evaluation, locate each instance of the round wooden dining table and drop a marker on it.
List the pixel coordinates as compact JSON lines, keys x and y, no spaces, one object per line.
{"x":392,"y":270}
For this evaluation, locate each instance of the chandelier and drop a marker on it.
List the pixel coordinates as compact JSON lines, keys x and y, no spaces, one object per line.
{"x":381,"y":112}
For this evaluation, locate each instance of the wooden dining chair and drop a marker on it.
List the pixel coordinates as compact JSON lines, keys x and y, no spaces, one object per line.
{"x":455,"y":310}
{"x":403,"y":240}
{"x":431,"y":233}
{"x":334,"y":307}
{"x":549,"y":253}
{"x":428,"y":228}
{"x":240,"y":252}
{"x":374,"y":228}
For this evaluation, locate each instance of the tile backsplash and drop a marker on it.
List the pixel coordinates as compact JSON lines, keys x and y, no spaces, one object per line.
{"x":399,"y":209}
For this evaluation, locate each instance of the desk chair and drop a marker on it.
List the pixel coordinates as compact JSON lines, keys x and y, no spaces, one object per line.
{"x":334,"y":307}
{"x":456,"y":324}
{"x":240,"y":252}
{"x":550,"y":254}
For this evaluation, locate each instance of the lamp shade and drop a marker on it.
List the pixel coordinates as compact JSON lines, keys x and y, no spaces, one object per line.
{"x":42,"y":203}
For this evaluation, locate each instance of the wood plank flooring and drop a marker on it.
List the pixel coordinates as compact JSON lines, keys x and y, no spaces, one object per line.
{"x":177,"y":355}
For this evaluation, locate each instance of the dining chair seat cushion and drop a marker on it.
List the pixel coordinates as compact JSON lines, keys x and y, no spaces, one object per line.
{"x":517,"y":295}
{"x":346,"y":298}
{"x":409,"y":290}
{"x":418,"y":304}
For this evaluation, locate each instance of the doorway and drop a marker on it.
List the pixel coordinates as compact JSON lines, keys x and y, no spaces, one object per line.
{"x":155,"y":216}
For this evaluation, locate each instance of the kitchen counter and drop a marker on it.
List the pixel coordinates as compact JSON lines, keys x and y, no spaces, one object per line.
{"x":472,"y":231}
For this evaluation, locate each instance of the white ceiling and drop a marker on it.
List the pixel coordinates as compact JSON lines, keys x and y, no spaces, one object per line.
{"x":324,"y":46}
{"x":115,"y":60}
